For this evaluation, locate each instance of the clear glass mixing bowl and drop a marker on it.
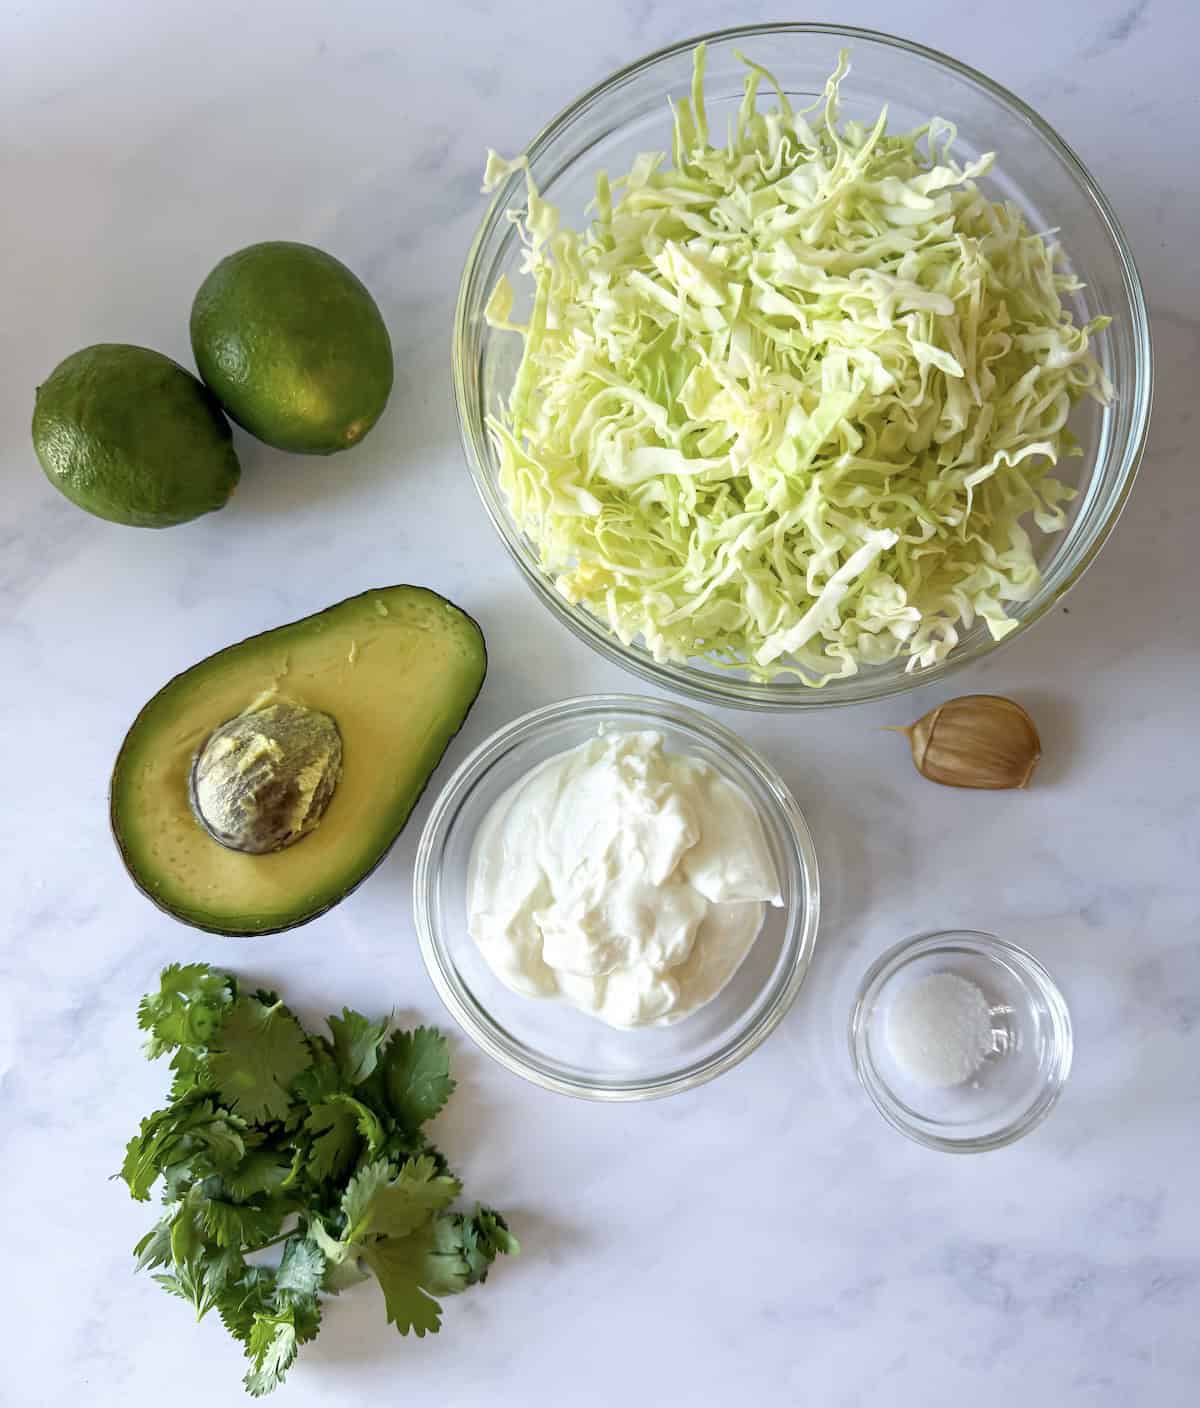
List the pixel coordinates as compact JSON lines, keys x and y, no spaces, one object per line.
{"x":628,"y":113}
{"x":548,"y":1042}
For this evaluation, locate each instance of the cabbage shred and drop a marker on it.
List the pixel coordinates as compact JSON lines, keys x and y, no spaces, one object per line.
{"x":787,"y":402}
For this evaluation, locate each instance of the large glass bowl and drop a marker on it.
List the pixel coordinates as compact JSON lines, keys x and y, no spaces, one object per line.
{"x":628,"y":113}
{"x":548,"y":1042}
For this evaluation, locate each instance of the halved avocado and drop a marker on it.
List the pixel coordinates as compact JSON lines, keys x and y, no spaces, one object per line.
{"x":303,"y":750}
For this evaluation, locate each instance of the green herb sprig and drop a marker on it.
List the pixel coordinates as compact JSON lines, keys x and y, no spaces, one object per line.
{"x":275,"y":1136}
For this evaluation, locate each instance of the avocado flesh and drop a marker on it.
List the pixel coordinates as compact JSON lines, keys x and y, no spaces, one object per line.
{"x":397,"y":669}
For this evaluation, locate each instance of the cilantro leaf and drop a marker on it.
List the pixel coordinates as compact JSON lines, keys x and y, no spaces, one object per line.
{"x":223,"y":1269}
{"x":201,"y":1279}
{"x":342,"y":1266}
{"x":221,"y":1139}
{"x":276,"y":1326}
{"x":164,"y":1134}
{"x":339,"y":1126}
{"x":335,"y":1140}
{"x":241,"y":1301}
{"x":416,"y":1071}
{"x":333,"y":1249}
{"x":447,"y":1267}
{"x":366,"y":1121}
{"x":187,"y":1282}
{"x":376,"y":1203}
{"x":401,"y":1266}
{"x":410,"y":1199}
{"x":261,"y":1050}
{"x":306,"y":1316}
{"x":145,"y":1154}
{"x":272,"y":1351}
{"x":241,"y":1224}
{"x":154,"y":1249}
{"x":463,"y":1249}
{"x":356,"y":1043}
{"x":260,"y":1171}
{"x":322,"y":1079}
{"x":187,"y":1239}
{"x":358,"y":1200}
{"x":485,"y":1236}
{"x":443,"y":1257}
{"x":179,"y":1179}
{"x":301,"y":1269}
{"x":191,"y":1072}
{"x":188,"y":1008}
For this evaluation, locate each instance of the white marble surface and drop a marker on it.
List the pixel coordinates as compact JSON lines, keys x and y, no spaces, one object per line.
{"x":765,"y":1240}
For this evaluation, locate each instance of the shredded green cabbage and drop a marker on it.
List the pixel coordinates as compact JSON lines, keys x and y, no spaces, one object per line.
{"x":786,"y":403}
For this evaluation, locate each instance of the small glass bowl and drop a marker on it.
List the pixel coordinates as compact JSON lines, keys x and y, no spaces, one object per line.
{"x":1018,"y":1082}
{"x":549,"y":1042}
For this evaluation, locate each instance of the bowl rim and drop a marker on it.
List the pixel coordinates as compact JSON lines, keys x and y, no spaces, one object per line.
{"x":802,"y":920}
{"x":736,"y":692}
{"x":990,"y":946}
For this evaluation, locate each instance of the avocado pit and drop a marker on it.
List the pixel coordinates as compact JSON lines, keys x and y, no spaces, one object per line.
{"x":264,"y":778}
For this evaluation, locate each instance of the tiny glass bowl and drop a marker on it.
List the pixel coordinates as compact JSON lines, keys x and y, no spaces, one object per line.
{"x":549,"y":1042}
{"x":1018,"y":1080}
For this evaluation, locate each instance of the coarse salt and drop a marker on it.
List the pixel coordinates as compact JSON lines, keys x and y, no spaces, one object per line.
{"x":939,"y":1029}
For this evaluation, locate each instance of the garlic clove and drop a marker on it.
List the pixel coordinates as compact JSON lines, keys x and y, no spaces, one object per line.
{"x":977,"y":740}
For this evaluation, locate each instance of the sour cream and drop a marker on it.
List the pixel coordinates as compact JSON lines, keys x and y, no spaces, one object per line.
{"x":623,"y":879}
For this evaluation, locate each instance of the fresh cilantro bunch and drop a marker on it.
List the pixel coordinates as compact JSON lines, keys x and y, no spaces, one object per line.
{"x":278,"y":1137}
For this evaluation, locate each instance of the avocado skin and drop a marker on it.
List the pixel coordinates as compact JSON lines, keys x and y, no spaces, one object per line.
{"x":115,"y":824}
{"x":130,"y":436}
{"x":293,"y":346}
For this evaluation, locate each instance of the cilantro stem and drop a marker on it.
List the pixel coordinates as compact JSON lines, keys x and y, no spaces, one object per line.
{"x":262,"y":1246}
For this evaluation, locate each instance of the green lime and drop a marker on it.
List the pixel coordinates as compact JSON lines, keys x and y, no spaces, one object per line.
{"x":130,"y":436}
{"x":293,"y":346}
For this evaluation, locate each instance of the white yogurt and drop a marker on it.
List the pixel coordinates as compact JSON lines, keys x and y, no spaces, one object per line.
{"x":623,"y":879}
